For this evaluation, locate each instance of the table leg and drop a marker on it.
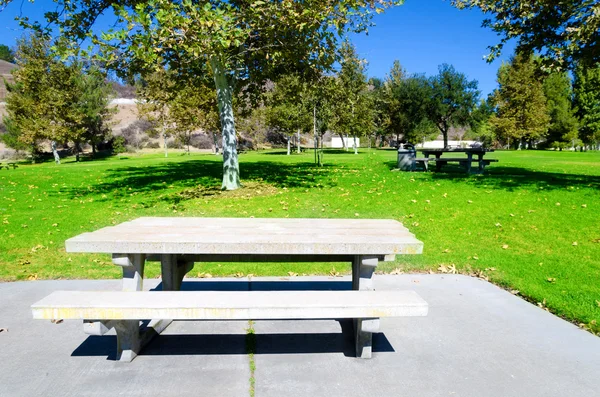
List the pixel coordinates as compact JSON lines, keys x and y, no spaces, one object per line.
{"x":469,"y":160}
{"x":363,"y":268}
{"x":173,"y":271}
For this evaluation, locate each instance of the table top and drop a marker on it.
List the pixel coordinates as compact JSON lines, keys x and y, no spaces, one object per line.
{"x":266,"y":236}
{"x":460,"y":150}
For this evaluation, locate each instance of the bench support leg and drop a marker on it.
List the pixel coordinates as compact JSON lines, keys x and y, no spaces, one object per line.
{"x":129,"y":342}
{"x":133,"y":280}
{"x":363,"y":336}
{"x":363,"y":268}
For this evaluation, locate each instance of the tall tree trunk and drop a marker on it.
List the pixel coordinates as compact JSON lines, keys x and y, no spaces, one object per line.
{"x":231,"y":166}
{"x":346,"y":143}
{"x":77,"y":151}
{"x":215,"y":144}
{"x":355,"y":145}
{"x":316,"y":140}
{"x":445,"y":134}
{"x":289,"y":143}
{"x":298,"y":142}
{"x":164,"y":137}
{"x":93,"y":149}
{"x":55,"y":152}
{"x":343,"y":140}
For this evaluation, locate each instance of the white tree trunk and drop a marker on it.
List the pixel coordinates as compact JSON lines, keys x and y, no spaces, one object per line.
{"x":231,"y":166}
{"x":55,"y":152}
{"x":215,"y":144}
{"x":343,"y":141}
{"x":355,"y":146}
{"x":298,"y":142}
{"x":164,"y":136}
{"x":289,"y":138}
{"x":346,"y":143}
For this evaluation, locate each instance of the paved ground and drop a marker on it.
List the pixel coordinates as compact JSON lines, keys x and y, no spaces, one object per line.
{"x":478,"y":340}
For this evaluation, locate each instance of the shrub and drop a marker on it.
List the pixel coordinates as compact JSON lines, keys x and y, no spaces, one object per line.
{"x":118,"y":145}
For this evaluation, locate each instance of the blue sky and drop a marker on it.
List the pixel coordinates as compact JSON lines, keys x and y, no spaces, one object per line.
{"x":421,"y":34}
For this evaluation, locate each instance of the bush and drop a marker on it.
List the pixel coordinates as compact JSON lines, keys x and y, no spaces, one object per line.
{"x":201,"y":141}
{"x":173,"y":143}
{"x":153,"y":145}
{"x":118,"y":145}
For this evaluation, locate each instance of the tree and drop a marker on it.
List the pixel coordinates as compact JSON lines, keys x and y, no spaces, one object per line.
{"x":453,"y":98}
{"x":237,"y":41}
{"x":394,"y":114}
{"x":562,"y":130}
{"x":376,"y":90}
{"x":289,"y":109}
{"x":179,"y":106}
{"x":480,"y":127}
{"x":43,"y":101}
{"x":522,"y":113}
{"x":564,"y":32}
{"x":353,"y":110}
{"x":586,"y":88}
{"x":6,"y":53}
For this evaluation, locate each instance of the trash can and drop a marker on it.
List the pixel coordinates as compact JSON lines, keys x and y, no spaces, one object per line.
{"x":406,"y":158}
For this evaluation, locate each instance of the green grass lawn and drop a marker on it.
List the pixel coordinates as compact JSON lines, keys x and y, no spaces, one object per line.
{"x":531,"y":224}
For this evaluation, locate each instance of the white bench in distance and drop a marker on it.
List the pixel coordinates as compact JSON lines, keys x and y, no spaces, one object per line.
{"x":124,"y":310}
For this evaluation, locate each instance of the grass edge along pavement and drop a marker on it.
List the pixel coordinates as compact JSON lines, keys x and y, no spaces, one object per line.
{"x":529,"y":224}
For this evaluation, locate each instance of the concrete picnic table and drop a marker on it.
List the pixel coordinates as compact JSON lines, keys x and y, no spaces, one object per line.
{"x":479,"y":152}
{"x":179,"y":243}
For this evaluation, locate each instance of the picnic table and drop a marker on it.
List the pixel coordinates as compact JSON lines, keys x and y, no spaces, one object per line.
{"x":180,"y":243}
{"x":463,"y":161}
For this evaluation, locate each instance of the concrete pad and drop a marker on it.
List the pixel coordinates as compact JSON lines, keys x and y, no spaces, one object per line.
{"x":38,"y":358}
{"x":478,"y":340}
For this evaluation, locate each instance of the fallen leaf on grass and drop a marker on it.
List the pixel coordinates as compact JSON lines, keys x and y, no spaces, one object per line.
{"x":515,"y":291}
{"x":397,"y":271}
{"x":204,"y":275}
{"x":334,"y":273}
{"x":505,"y":247}
{"x":583,"y":205}
{"x":598,"y":303}
{"x":292,"y":274}
{"x":451,"y":269}
{"x":551,"y":280}
{"x":574,"y":243}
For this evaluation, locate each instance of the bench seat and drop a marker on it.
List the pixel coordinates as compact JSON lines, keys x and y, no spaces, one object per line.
{"x":123,"y":310}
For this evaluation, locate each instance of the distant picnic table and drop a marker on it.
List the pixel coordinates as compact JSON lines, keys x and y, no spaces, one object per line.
{"x":441,"y":160}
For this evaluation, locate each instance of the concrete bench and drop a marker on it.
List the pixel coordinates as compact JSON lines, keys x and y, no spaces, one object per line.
{"x":123,"y":310}
{"x":424,"y":162}
{"x":464,"y":162}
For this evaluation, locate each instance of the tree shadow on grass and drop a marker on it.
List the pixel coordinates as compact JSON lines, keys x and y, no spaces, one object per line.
{"x":205,"y":175}
{"x":513,"y":178}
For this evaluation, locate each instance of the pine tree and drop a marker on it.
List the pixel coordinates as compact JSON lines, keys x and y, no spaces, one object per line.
{"x":353,"y":108}
{"x":586,"y":88}
{"x":562,"y":131}
{"x":522,"y":113}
